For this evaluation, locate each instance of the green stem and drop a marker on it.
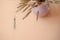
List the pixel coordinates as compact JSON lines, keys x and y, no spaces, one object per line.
{"x":14,"y":22}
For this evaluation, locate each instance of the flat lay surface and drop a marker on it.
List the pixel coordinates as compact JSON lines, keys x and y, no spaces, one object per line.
{"x":46,"y":28}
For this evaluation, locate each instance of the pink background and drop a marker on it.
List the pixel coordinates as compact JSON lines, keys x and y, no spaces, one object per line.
{"x":47,"y":28}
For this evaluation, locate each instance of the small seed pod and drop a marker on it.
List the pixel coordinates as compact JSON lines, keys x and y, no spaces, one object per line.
{"x":42,"y":10}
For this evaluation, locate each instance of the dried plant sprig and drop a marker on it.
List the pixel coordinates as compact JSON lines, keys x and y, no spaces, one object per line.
{"x":32,"y":3}
{"x":28,"y":3}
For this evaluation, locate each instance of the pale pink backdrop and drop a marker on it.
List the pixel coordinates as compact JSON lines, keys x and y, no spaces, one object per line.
{"x":47,"y":28}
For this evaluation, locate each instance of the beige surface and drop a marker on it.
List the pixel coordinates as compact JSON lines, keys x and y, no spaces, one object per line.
{"x":44,"y":29}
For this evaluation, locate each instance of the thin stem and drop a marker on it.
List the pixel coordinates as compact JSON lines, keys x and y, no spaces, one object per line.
{"x":27,"y":14}
{"x":37,"y":16}
{"x":26,"y":8}
{"x":21,"y":8}
{"x":14,"y":22}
